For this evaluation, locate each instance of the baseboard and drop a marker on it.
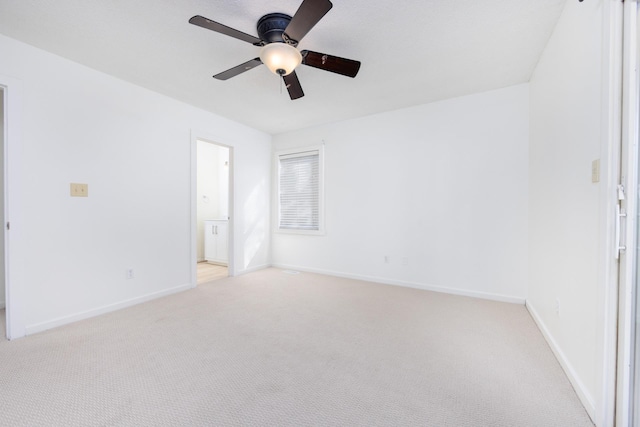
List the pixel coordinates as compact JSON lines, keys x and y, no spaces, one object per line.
{"x":387,"y":281}
{"x":60,"y":321}
{"x":582,"y":392}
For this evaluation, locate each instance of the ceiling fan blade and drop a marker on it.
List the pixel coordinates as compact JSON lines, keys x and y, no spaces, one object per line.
{"x":293,"y":85}
{"x":232,"y":72}
{"x":307,"y":15}
{"x":346,"y":67}
{"x":203,"y":22}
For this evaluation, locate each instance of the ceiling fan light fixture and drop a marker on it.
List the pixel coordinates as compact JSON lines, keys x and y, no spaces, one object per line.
{"x":280,"y":58}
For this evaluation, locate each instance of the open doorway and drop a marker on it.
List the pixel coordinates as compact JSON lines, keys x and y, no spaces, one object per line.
{"x":212,"y":211}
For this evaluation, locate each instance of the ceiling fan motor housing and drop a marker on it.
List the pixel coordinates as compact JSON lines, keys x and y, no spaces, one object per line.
{"x":272,"y":26}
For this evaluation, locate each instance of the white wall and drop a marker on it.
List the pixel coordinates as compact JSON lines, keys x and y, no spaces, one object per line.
{"x":133,"y":148}
{"x":442,"y":184}
{"x":566,"y":135}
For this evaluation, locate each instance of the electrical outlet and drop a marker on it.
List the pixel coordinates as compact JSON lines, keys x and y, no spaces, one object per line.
{"x":405,"y":260}
{"x":79,"y":190}
{"x":387,"y":259}
{"x":130,"y":274}
{"x":557,"y":307}
{"x":595,"y":171}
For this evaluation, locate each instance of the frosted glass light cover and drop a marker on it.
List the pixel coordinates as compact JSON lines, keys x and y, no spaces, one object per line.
{"x":280,"y":58}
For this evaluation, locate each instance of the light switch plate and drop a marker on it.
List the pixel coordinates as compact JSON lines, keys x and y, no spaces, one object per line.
{"x":595,"y":171}
{"x":79,"y":190}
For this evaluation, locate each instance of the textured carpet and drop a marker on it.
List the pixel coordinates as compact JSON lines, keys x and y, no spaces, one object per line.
{"x":273,"y":349}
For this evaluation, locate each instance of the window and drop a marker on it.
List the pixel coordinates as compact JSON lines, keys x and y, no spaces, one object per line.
{"x":300,"y":190}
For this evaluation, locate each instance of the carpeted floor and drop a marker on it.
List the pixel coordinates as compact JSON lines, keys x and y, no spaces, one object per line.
{"x":274,"y":349}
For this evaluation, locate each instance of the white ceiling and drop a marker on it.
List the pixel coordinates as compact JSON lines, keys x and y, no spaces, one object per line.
{"x":412,"y":52}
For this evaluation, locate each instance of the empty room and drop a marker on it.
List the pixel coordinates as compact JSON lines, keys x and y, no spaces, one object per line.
{"x":319,"y":213}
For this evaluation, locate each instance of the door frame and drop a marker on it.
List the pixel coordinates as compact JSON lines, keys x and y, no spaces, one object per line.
{"x":12,"y":87}
{"x":628,"y":267}
{"x":212,"y":139}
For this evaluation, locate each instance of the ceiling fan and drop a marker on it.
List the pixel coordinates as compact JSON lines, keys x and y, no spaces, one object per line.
{"x":278,"y":38}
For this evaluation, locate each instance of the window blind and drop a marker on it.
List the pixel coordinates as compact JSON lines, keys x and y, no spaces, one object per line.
{"x":299,"y":185}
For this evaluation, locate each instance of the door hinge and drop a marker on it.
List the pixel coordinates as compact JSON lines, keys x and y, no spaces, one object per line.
{"x":619,"y":247}
{"x":620,"y":214}
{"x":8,"y":226}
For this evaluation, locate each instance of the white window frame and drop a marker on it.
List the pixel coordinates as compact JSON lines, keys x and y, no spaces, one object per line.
{"x":321,"y":225}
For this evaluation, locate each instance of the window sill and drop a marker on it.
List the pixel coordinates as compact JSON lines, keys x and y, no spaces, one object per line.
{"x":300,"y":232}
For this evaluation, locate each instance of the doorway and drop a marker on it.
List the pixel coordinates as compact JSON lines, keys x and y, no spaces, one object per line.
{"x":212,"y":211}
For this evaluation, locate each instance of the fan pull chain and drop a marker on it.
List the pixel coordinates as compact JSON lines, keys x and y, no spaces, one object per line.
{"x":281,"y":85}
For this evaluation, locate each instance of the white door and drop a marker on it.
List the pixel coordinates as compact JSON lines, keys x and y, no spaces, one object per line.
{"x":222,"y":239}
{"x":210,"y":242}
{"x":216,"y":241}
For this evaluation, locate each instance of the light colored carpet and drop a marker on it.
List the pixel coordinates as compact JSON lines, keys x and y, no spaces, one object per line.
{"x":272,"y":349}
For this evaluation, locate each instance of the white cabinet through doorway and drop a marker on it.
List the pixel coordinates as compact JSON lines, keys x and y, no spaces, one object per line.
{"x":216,"y":235}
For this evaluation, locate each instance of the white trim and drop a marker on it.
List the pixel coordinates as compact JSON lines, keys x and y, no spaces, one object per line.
{"x":607,"y":308}
{"x":415,"y":285}
{"x":199,"y":135}
{"x":193,"y":210}
{"x":578,"y":386}
{"x":629,"y":178}
{"x":5,"y":237}
{"x":289,"y":152}
{"x":12,"y":160}
{"x":60,"y":321}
